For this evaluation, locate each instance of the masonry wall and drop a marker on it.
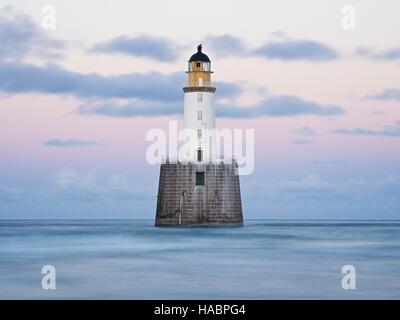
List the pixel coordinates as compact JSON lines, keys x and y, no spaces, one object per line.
{"x":181,"y":202}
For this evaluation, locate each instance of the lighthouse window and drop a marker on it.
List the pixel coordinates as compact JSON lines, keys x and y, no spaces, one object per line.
{"x":199,"y":133}
{"x":198,"y":65}
{"x":199,"y":115}
{"x":199,"y":155}
{"x":199,"y":97}
{"x":199,"y":178}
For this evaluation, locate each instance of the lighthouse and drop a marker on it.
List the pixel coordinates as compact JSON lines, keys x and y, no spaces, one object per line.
{"x":199,"y":188}
{"x":199,"y":109}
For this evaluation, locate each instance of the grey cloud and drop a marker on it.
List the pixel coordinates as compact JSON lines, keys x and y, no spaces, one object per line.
{"x":79,"y":194}
{"x":276,"y":106}
{"x":388,"y":131}
{"x":303,"y":141}
{"x":131,"y":109}
{"x":388,"y":94}
{"x":21,"y":78}
{"x":330,"y":162}
{"x":391,"y":54}
{"x":20,"y":37}
{"x":166,"y":50}
{"x":141,"y":46}
{"x":296,"y":50}
{"x":11,"y":194}
{"x":280,"y":106}
{"x":53,"y":79}
{"x":315,"y":197}
{"x":386,"y":55}
{"x":94,"y":194}
{"x":378,"y":113}
{"x":282,"y":48}
{"x":71,"y":143}
{"x":90,"y":186}
{"x":306,"y":131}
{"x":228,"y":89}
{"x":226,"y":45}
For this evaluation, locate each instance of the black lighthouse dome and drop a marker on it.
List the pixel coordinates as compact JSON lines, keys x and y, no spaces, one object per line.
{"x":199,"y":56}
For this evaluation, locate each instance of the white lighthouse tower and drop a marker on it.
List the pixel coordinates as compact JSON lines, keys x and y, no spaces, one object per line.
{"x":199,"y":110}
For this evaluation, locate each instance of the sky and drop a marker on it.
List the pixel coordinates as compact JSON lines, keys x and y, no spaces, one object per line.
{"x":82,"y":82}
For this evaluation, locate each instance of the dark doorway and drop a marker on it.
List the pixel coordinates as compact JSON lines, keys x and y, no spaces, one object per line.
{"x":199,"y":155}
{"x":199,"y":178}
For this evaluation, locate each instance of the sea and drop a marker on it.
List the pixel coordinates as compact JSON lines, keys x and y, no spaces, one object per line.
{"x":264,"y":259}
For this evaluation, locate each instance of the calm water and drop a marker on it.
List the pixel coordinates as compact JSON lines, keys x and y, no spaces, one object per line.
{"x":262,"y":260}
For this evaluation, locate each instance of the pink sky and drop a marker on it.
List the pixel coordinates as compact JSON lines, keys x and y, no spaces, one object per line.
{"x":29,"y":119}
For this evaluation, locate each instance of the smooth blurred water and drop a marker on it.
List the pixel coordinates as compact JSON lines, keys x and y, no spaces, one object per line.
{"x":262,"y":260}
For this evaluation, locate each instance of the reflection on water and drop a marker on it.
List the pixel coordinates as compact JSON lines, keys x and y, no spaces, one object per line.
{"x":263,"y":260}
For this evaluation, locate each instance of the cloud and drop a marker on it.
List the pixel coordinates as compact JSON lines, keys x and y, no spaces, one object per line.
{"x":22,"y":78}
{"x":166,"y":50}
{"x":226,"y":45}
{"x":386,"y":55}
{"x":330,"y":162}
{"x":286,"y":49}
{"x":20,"y":37}
{"x":388,"y":131}
{"x":391,"y":54}
{"x":378,"y":113}
{"x":388,"y":94}
{"x":94,"y":194}
{"x":140,"y":46}
{"x":314,"y":197}
{"x":145,"y":94}
{"x":282,"y":48}
{"x":71,"y":143}
{"x":280,"y":106}
{"x":229,"y":89}
{"x":303,"y":141}
{"x":73,"y":194}
{"x":11,"y":194}
{"x":275,"y":106}
{"x":53,"y":79}
{"x":306,"y":131}
{"x":130,"y":109}
{"x":91,"y":187}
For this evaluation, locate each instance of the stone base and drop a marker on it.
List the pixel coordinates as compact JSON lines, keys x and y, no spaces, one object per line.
{"x":181,"y":203}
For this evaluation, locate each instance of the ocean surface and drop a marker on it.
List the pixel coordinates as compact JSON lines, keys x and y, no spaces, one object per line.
{"x":116,"y":259}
